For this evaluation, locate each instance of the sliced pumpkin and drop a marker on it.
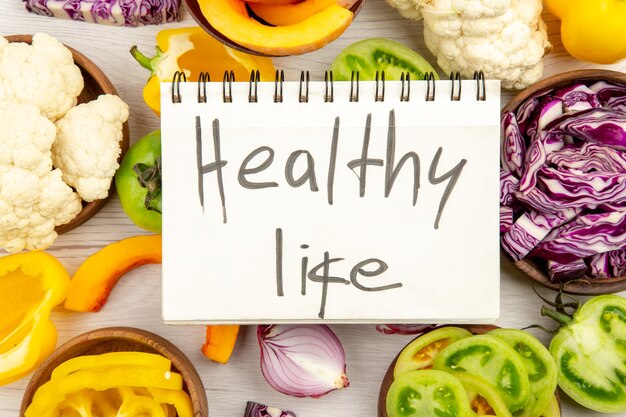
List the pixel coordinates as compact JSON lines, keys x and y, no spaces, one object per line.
{"x":288,"y":14}
{"x":95,"y":278}
{"x":231,"y":19}
{"x":220,"y":342}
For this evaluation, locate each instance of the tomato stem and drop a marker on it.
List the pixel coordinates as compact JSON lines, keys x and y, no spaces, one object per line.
{"x":562,"y":318}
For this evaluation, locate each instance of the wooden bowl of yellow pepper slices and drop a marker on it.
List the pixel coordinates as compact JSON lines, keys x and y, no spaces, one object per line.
{"x":116,"y":370}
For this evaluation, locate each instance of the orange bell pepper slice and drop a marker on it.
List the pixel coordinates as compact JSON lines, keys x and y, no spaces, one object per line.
{"x":220,"y":342}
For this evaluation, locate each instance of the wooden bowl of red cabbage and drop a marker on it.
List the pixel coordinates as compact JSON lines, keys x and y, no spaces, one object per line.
{"x":563,"y":182}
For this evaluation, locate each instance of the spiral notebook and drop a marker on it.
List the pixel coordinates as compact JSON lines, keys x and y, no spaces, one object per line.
{"x":320,"y":201}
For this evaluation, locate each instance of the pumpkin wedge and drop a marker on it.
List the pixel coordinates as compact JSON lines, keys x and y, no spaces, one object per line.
{"x":231,"y":19}
{"x":272,"y":1}
{"x":288,"y":14}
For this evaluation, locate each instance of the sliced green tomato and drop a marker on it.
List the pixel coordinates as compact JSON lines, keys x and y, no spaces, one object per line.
{"x":492,"y":360}
{"x":590,"y":354}
{"x":419,"y":354}
{"x":427,"y":393}
{"x":483,"y":398}
{"x":379,"y":54}
{"x":539,"y":365}
{"x":553,"y":409}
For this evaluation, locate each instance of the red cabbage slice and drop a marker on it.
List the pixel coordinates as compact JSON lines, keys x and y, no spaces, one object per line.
{"x":513,"y":146}
{"x":508,"y":186}
{"x":506,"y":218}
{"x":617,"y":260}
{"x":536,"y":156}
{"x":261,"y":410}
{"x":610,"y":95}
{"x":585,"y":236}
{"x":109,"y":12}
{"x":588,"y":158}
{"x":573,"y":189}
{"x":577,"y":97}
{"x":559,"y":272}
{"x":601,"y":125}
{"x":529,"y":110}
{"x":599,"y":265}
{"x":530,"y":229}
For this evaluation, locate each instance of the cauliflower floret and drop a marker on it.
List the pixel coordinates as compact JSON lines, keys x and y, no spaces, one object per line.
{"x":28,"y":145}
{"x":43,"y":74}
{"x":33,"y":197}
{"x":88,"y":145}
{"x":411,"y":9}
{"x":506,"y":39}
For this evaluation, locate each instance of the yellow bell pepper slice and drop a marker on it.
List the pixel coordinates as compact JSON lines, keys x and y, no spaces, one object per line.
{"x":53,"y":392}
{"x":192,"y":50}
{"x":31,"y":284}
{"x":151,"y":360}
{"x":179,"y":399}
{"x":592,"y":30}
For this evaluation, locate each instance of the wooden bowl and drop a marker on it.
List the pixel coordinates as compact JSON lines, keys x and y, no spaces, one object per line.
{"x":388,"y":378}
{"x":96,"y":83}
{"x":532,"y":269}
{"x":196,"y":13}
{"x":122,"y":339}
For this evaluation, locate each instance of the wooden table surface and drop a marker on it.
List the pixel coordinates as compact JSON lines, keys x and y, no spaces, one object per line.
{"x":136,"y":299}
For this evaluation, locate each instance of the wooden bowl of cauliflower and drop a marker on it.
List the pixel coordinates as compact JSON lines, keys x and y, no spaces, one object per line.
{"x":66,"y":131}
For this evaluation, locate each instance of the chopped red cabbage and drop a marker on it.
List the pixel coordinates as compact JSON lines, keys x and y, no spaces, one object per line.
{"x":602,"y":125}
{"x":506,"y":218}
{"x":513,"y":146}
{"x":109,"y":12}
{"x":559,"y":272}
{"x":261,"y":410}
{"x":617,"y":260}
{"x":599,"y":265}
{"x":610,"y":95}
{"x":508,"y":186}
{"x":536,"y":156}
{"x":587,"y":235}
{"x":582,"y":190}
{"x":530,"y":229}
{"x":588,"y":158}
{"x":577,"y":97}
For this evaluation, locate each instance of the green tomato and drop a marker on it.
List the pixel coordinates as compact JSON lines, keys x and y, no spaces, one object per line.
{"x":539,"y":365}
{"x":419,"y":354}
{"x":379,"y":54}
{"x":553,"y":409}
{"x":590,"y":353}
{"x":494,"y":361}
{"x":484,"y":400}
{"x":427,"y":393}
{"x":138,"y":182}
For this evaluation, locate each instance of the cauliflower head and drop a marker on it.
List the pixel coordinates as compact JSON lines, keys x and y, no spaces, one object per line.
{"x":33,"y":197}
{"x":88,"y":145}
{"x":506,"y":39}
{"x":43,"y":74}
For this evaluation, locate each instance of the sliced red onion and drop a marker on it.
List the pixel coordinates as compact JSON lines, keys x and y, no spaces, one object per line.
{"x":261,"y":410}
{"x":302,"y":360}
{"x":413,"y":329}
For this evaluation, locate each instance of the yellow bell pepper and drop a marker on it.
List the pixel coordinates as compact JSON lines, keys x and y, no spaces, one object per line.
{"x":193,"y":51}
{"x":151,"y":360}
{"x":592,"y":30}
{"x":48,"y":396}
{"x":31,"y":284}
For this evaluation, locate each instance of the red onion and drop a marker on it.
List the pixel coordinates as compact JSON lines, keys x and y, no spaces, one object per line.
{"x":302,"y":360}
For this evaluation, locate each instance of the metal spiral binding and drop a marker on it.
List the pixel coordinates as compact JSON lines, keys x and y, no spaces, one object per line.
{"x":278,"y":86}
{"x":481,"y":95}
{"x":179,"y":77}
{"x":229,"y":78}
{"x":354,"y":92}
{"x":455,"y":78}
{"x":380,"y":97}
{"x":253,"y":93}
{"x":429,"y":77}
{"x":405,"y":93}
{"x":203,"y":78}
{"x":329,"y":93}
{"x":304,"y":79}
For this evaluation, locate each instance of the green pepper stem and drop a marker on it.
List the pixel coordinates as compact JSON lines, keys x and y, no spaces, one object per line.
{"x":143,"y":60}
{"x":561,"y":318}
